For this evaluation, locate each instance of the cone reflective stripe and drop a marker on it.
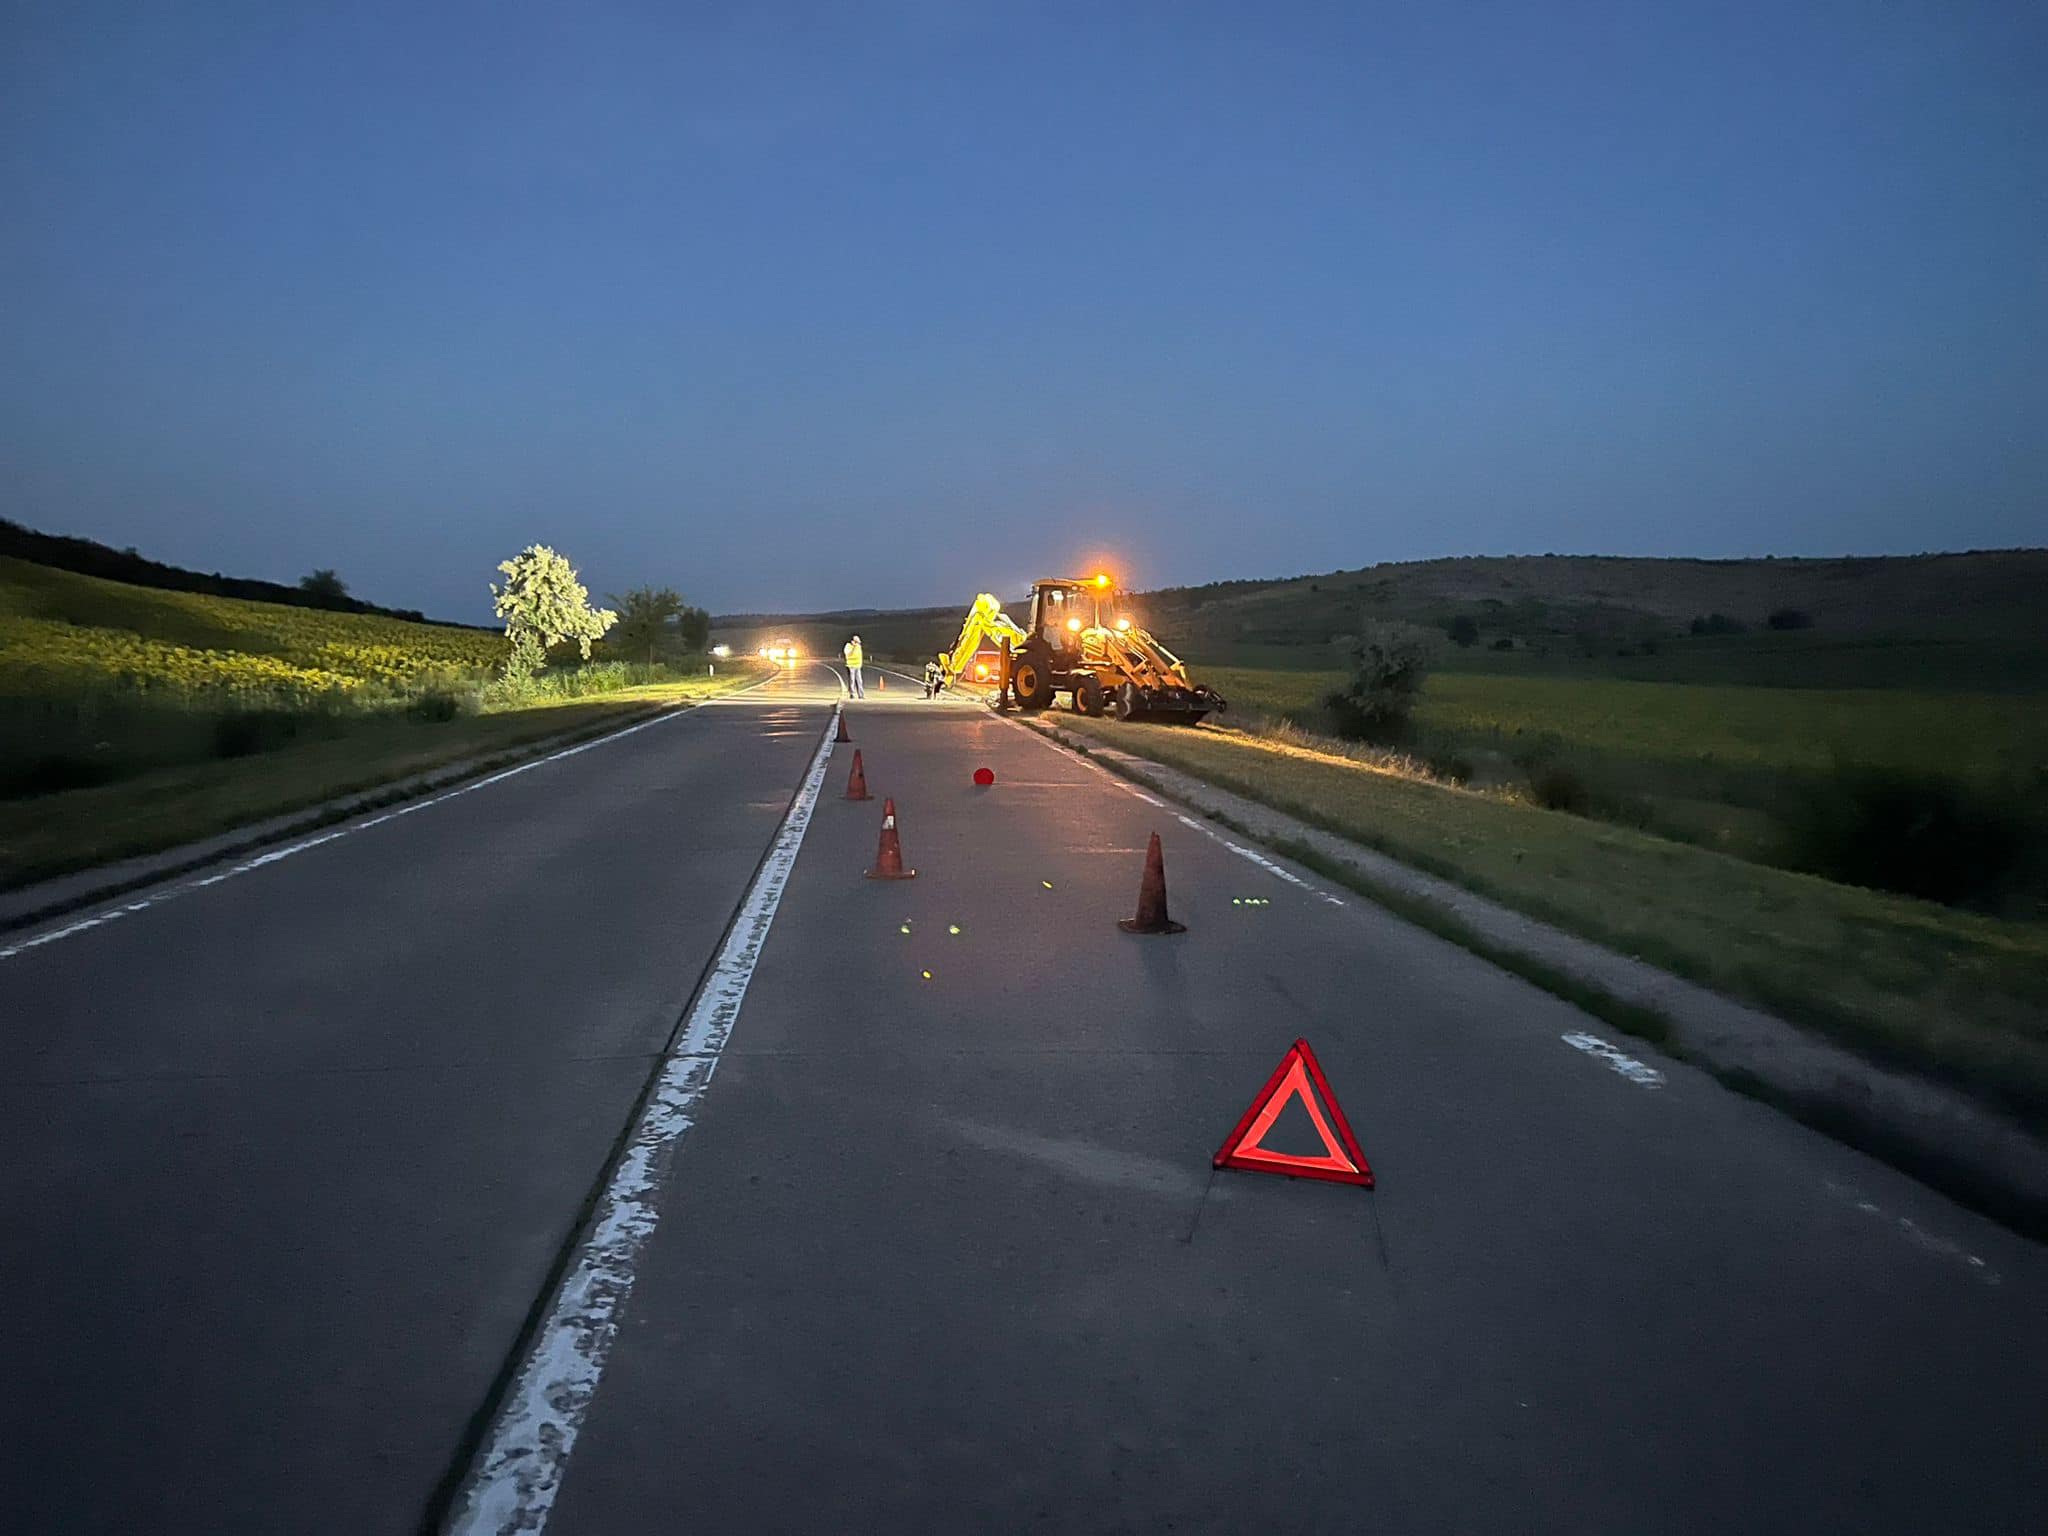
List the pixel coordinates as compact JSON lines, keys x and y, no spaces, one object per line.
{"x":889,"y":854}
{"x":857,"y":780}
{"x":842,"y":736}
{"x":1152,"y":916}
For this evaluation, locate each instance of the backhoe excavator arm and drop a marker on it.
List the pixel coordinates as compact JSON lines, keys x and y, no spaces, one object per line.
{"x":986,"y":622}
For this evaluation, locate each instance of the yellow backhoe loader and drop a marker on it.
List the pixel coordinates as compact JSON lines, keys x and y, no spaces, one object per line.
{"x":1077,"y":643}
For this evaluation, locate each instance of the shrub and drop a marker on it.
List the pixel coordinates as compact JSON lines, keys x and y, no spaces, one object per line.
{"x":1388,"y":668}
{"x":1717,"y":624}
{"x":436,"y":708}
{"x":1925,"y":835}
{"x":1454,"y":766}
{"x":245,"y":732}
{"x":1556,"y":787}
{"x":1504,"y":643}
{"x":1463,"y":630}
{"x":1790,"y":618}
{"x":54,"y":772}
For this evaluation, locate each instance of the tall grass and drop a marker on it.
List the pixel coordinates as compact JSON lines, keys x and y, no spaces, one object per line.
{"x":582,"y":682}
{"x":101,"y":733}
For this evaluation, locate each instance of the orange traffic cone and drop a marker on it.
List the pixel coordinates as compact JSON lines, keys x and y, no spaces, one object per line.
{"x":889,"y":853}
{"x":1152,"y":916}
{"x":882,"y":681}
{"x":842,"y":736}
{"x":857,"y":781}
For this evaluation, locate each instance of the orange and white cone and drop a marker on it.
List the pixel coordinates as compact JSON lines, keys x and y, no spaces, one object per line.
{"x":1152,"y":916}
{"x":857,"y":780}
{"x":889,"y":854}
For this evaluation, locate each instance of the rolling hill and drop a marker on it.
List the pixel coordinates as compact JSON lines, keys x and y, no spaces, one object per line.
{"x":1974,"y":620}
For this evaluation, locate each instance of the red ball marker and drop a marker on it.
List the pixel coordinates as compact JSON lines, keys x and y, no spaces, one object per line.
{"x":984,"y":777}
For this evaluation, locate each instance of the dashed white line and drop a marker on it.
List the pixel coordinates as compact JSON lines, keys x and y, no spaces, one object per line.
{"x":1635,"y":1071}
{"x":1917,"y":1235}
{"x":1278,"y":871}
{"x":518,"y":1471}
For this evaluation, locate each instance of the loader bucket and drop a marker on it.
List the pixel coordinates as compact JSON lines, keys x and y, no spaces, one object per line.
{"x":1175,"y":706}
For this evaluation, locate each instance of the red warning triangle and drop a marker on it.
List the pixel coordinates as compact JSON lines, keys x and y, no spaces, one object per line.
{"x":1341,"y":1164}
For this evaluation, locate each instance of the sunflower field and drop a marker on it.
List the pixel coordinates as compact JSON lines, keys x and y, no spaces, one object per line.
{"x":67,"y":634}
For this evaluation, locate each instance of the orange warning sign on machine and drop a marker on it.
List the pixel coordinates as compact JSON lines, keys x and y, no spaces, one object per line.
{"x":1299,"y":1076}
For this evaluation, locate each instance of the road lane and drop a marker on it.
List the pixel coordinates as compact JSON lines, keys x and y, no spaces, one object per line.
{"x":945,"y":1254}
{"x":290,"y":1157}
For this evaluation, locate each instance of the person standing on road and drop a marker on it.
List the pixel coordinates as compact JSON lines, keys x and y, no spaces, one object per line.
{"x":935,"y":676}
{"x":855,"y":657}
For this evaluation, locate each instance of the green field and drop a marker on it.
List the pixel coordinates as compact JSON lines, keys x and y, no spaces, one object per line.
{"x":61,"y":633}
{"x":1998,"y":737}
{"x":1803,"y":660}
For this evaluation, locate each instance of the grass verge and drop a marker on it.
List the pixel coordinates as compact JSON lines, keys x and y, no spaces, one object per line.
{"x":50,"y":835}
{"x":1956,"y":996}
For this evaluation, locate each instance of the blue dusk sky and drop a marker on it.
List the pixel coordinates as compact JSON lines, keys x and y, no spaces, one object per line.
{"x":800,"y":306}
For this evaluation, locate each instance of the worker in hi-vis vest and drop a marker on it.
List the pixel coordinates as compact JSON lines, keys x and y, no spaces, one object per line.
{"x":855,"y":656}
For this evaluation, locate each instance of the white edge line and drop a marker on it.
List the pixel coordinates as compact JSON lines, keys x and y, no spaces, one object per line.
{"x":278,"y":855}
{"x":518,"y":1471}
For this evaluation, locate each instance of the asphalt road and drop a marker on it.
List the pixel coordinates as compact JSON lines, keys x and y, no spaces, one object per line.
{"x":288,"y":1157}
{"x":291,"y":1157}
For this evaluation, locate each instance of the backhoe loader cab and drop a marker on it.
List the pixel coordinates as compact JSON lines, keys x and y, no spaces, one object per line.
{"x":1079,"y":642}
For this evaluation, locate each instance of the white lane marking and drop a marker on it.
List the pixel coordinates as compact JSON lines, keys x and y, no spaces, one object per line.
{"x":1271,"y":868}
{"x":1278,"y":871}
{"x":843,"y":682}
{"x":1917,"y":1235}
{"x":278,"y":855}
{"x":518,"y":1471}
{"x":1635,"y":1071}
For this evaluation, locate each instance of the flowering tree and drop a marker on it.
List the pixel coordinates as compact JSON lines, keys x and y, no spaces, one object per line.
{"x":543,"y":604}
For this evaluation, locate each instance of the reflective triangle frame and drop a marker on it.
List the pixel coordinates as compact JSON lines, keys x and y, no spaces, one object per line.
{"x":1342,"y":1162}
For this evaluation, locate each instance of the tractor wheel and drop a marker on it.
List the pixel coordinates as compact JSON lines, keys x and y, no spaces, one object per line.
{"x":1089,"y":696}
{"x":1124,"y":702}
{"x":1030,"y":682}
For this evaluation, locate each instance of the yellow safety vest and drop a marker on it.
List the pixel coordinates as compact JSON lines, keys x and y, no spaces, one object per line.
{"x":855,"y":656}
